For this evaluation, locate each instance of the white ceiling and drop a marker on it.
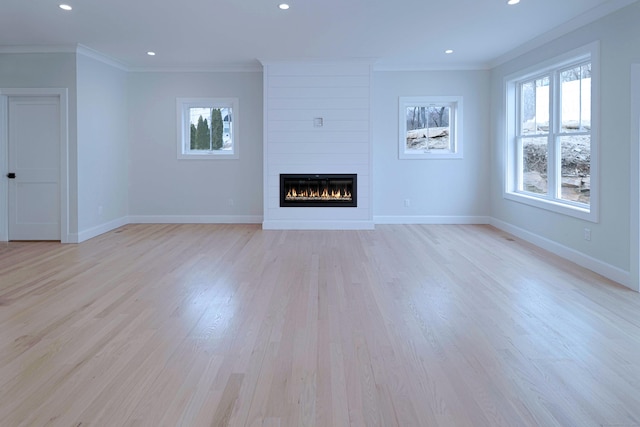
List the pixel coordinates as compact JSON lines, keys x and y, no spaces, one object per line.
{"x":232,"y":33}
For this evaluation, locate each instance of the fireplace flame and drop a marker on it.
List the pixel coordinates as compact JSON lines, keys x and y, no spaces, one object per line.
{"x":315,"y":194}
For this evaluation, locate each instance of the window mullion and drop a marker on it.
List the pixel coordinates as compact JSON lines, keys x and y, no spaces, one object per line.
{"x":555,"y":156}
{"x":519,"y":170}
{"x":580,"y":126}
{"x":186,"y":129}
{"x":516,"y":155}
{"x":551,"y":162}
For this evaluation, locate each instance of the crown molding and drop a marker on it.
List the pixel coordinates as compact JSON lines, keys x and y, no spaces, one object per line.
{"x":230,"y":68}
{"x":319,"y":61}
{"x":77,"y":49}
{"x":429,"y":67}
{"x":38,"y":49}
{"x":99,"y":56}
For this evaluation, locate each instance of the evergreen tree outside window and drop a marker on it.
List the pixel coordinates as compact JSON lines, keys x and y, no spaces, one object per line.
{"x":207,"y":128}
{"x":203,"y":135}
{"x":216,"y":128}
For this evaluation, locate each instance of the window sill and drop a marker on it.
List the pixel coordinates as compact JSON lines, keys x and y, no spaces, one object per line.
{"x":208,"y":156}
{"x":433,"y":155}
{"x":584,"y":213}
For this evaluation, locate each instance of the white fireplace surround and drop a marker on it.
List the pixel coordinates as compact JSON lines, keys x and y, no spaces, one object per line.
{"x":317,"y":120}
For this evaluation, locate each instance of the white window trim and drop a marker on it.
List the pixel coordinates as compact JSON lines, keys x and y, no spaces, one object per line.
{"x":184,"y":131}
{"x":588,"y":213}
{"x":455,"y":136}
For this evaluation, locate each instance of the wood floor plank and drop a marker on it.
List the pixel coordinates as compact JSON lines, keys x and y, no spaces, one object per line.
{"x":230,"y":325}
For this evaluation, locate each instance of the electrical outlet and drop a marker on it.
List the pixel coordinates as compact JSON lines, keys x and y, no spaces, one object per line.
{"x":231,"y":202}
{"x":407,"y":203}
{"x":100,"y":210}
{"x":587,"y":234}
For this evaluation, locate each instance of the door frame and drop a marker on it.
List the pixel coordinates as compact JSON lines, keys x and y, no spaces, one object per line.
{"x":62,"y":94}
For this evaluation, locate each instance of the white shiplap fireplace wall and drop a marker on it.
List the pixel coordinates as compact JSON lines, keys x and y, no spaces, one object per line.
{"x":296,"y":96}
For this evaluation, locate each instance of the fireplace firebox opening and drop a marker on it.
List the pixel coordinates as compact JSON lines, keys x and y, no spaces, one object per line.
{"x":328,"y":190}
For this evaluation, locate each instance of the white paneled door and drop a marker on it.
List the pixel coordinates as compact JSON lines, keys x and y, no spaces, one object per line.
{"x":34,"y":167}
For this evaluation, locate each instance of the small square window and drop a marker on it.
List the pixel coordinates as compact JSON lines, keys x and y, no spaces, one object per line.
{"x":430,"y":127}
{"x":207,"y":128}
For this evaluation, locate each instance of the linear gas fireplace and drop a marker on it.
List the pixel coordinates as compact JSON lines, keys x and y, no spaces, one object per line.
{"x":329,"y":190}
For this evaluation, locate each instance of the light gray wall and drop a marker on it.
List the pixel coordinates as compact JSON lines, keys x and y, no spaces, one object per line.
{"x":161,"y":186}
{"x":436,"y":188}
{"x":48,"y":70}
{"x":102,"y":144}
{"x":618,"y":34}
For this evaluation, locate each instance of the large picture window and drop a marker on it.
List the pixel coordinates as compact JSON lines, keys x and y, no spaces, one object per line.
{"x":551,"y":139}
{"x":207,"y":128}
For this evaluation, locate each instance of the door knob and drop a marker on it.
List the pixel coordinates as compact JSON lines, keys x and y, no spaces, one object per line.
{"x":11,"y":175}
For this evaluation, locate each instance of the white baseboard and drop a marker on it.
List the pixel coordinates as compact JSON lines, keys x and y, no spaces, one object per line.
{"x":317,"y":225}
{"x":195,"y":219}
{"x":431,"y":219}
{"x":98,"y":230}
{"x":609,"y":271}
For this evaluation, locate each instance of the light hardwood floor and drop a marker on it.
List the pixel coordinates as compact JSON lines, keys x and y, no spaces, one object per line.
{"x":230,"y":325}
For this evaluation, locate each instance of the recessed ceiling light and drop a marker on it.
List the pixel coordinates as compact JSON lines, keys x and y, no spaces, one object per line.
{"x":448,"y":51}
{"x":65,"y":7}
{"x":283,"y":6}
{"x":151,"y":53}
{"x":513,"y":2}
